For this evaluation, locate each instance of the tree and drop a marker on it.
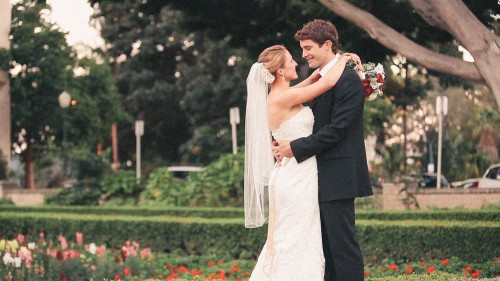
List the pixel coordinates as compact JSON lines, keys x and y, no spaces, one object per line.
{"x":41,"y":64}
{"x":452,"y":16}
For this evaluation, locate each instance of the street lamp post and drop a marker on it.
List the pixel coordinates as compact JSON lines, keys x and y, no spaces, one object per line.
{"x":234,"y":119}
{"x":64,"y":102}
{"x":441,"y":109}
{"x":139,"y":131}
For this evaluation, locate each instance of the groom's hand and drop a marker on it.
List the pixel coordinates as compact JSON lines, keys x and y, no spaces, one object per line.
{"x":282,"y":149}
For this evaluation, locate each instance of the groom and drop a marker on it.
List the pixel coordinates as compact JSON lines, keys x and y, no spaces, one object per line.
{"x":338,"y":144}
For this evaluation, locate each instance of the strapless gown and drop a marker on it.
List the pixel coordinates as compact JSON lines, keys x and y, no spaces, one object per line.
{"x":293,"y":250}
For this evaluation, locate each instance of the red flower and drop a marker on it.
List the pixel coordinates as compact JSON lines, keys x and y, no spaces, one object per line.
{"x":63,"y":277}
{"x":476,"y":274}
{"x":367,"y":273}
{"x":409,"y":269}
{"x":222,"y":275}
{"x":430,"y":269}
{"x":422,"y":263}
{"x":210,"y":263}
{"x":59,"y":255}
{"x":123,"y":253}
{"x":234,"y":269}
{"x":221,"y":262}
{"x":197,"y":273}
{"x":172,"y":276}
{"x":468,"y":268}
{"x":127,"y":271}
{"x":368,"y":88}
{"x":183,"y":268}
{"x":117,"y":277}
{"x":496,"y":261}
{"x":445,"y":261}
{"x":393,"y":267}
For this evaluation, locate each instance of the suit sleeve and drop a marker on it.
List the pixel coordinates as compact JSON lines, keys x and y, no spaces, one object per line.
{"x":349,"y":94}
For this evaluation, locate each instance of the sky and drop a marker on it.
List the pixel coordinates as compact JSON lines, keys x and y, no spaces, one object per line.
{"x":73,"y":17}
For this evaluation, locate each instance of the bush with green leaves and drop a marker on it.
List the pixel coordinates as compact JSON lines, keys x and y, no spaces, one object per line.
{"x":121,"y":185}
{"x":162,"y":188}
{"x":220,"y":184}
{"x":77,"y":195}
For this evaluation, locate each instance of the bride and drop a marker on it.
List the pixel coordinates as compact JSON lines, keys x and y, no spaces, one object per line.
{"x":293,"y":249}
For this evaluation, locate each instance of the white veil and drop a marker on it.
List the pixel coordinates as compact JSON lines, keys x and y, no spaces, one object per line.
{"x":259,"y":160}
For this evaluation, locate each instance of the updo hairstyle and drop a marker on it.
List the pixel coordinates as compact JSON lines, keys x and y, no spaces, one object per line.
{"x":273,"y":58}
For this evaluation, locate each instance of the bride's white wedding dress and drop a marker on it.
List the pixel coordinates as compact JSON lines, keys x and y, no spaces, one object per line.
{"x":293,"y":250}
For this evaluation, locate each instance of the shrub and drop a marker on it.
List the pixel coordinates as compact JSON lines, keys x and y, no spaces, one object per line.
{"x":122,"y":185}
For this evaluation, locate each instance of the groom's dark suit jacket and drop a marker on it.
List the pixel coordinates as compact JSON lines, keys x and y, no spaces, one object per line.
{"x":338,"y":141}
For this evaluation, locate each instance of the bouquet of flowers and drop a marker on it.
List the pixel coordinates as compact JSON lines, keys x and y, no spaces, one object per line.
{"x":372,"y":76}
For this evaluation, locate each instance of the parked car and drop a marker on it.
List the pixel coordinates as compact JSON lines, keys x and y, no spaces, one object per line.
{"x":491,"y":178}
{"x":468,"y":183}
{"x":181,"y":172}
{"x":429,"y":180}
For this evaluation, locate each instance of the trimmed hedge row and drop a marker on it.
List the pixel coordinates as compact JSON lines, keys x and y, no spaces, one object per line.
{"x":397,"y":240}
{"x":453,"y":215}
{"x":131,"y":211}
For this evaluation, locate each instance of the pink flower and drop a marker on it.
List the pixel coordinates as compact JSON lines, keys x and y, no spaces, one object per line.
{"x":20,"y":238}
{"x":79,"y":238}
{"x":64,"y":243}
{"x":146,"y":253}
{"x":99,"y":251}
{"x":25,"y":254}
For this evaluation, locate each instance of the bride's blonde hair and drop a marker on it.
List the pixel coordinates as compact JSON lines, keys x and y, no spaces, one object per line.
{"x":273,"y":58}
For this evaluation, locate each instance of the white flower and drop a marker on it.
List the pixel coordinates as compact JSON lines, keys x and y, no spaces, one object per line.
{"x":31,"y":245}
{"x":17,"y":262}
{"x":361,"y":74}
{"x":92,"y":248}
{"x":379,"y":69}
{"x":267,"y":76}
{"x":8,"y":259}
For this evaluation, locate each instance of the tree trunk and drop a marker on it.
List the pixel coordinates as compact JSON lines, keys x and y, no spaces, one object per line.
{"x":5,"y":141}
{"x":452,"y":16}
{"x":29,"y":166}
{"x":488,"y":145}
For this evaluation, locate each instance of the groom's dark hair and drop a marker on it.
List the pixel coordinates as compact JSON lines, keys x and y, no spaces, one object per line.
{"x":319,"y":31}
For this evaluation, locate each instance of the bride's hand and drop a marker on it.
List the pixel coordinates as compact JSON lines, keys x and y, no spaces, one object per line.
{"x":355,"y":58}
{"x":315,"y":76}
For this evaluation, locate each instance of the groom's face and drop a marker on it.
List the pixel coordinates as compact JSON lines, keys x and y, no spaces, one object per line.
{"x":317,"y":56}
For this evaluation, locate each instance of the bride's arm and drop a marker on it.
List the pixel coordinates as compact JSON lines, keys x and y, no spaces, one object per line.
{"x":309,"y":80}
{"x":315,"y":75}
{"x":295,"y":96}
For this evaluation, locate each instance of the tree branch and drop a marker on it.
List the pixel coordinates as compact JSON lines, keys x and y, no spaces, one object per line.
{"x":483,"y":44}
{"x":428,"y":13}
{"x":393,"y":40}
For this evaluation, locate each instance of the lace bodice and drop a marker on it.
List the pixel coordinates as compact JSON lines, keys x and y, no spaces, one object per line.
{"x":298,"y":126}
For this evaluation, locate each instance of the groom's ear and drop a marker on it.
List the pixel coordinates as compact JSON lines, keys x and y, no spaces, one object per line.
{"x":328,"y":45}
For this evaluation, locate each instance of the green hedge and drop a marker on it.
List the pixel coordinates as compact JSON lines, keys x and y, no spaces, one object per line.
{"x":131,"y":211}
{"x":452,"y":215}
{"x":397,"y":240}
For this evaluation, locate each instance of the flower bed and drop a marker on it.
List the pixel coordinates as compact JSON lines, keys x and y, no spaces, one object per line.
{"x":35,"y":258}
